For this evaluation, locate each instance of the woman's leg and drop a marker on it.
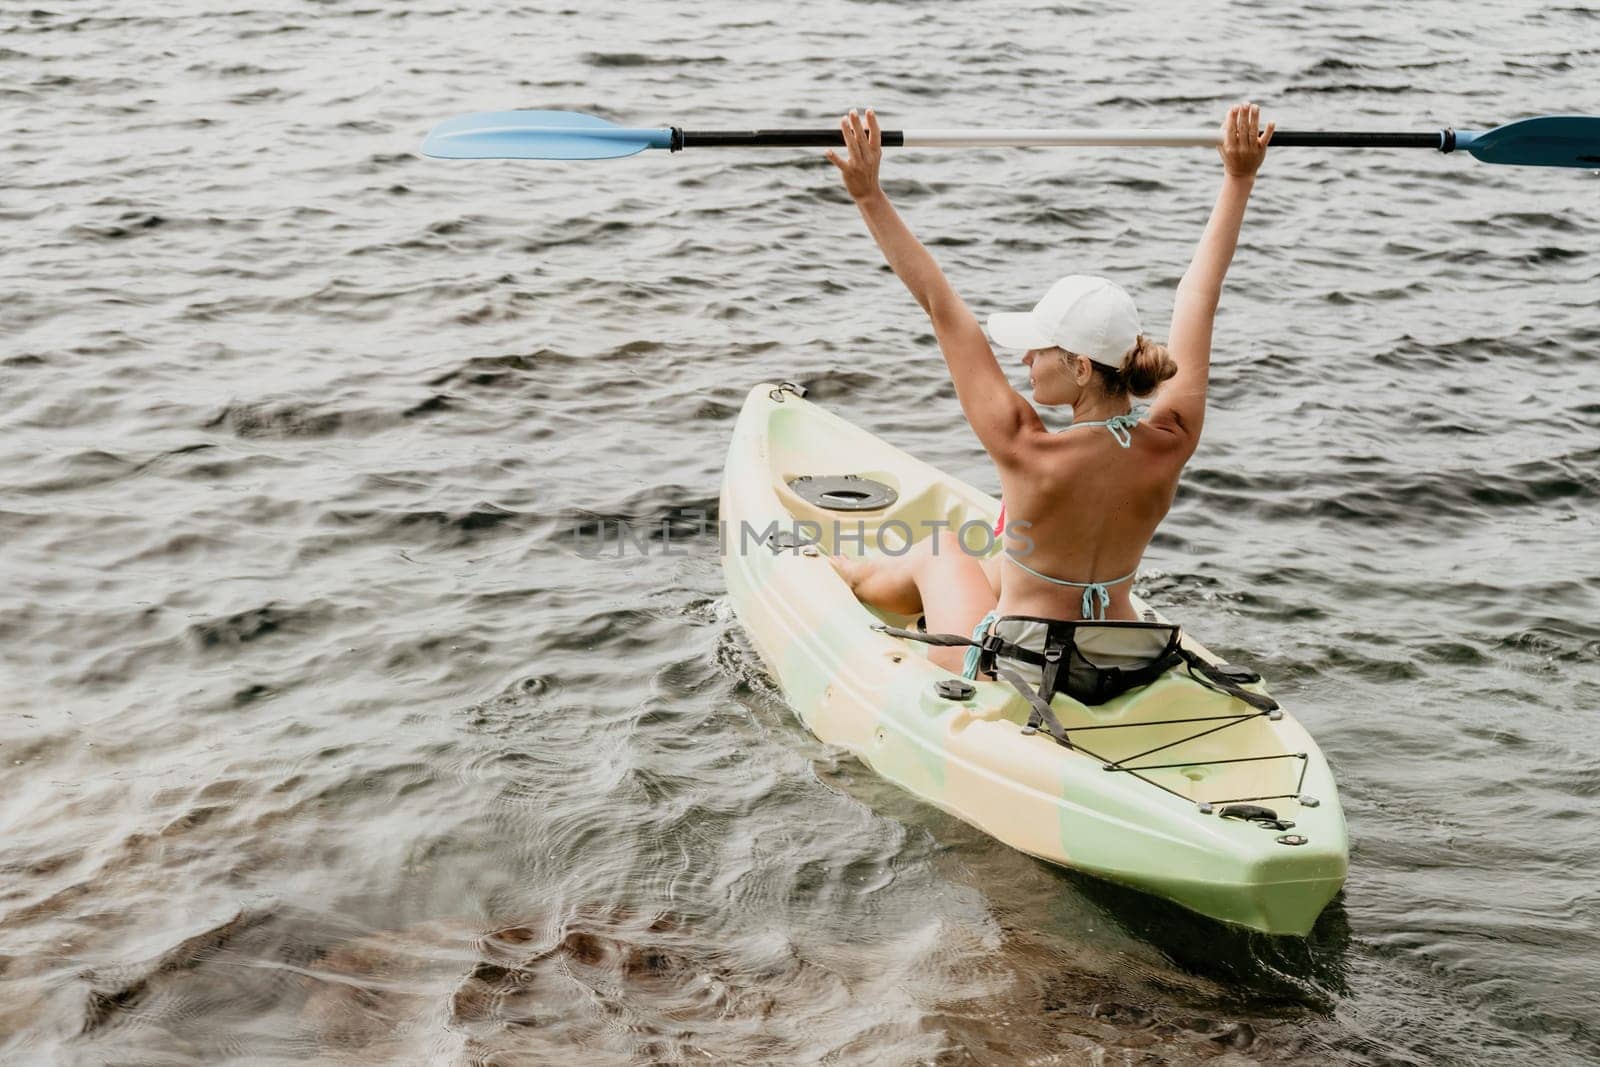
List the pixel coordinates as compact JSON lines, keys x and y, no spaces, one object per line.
{"x":991,"y":571}
{"x":937,"y":578}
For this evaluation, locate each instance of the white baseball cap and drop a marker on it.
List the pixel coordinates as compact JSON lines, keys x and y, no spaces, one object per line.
{"x":1085,"y":315}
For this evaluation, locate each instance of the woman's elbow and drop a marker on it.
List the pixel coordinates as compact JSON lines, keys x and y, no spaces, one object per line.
{"x":950,"y":315}
{"x":1199,"y":295}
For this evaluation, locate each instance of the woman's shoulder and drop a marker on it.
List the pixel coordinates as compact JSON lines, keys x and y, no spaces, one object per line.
{"x":1154,"y":458}
{"x":1153,"y":433}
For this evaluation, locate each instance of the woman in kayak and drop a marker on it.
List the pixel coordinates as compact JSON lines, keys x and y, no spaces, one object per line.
{"x":1082,"y":505}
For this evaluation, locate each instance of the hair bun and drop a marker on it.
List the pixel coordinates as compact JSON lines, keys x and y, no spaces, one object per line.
{"x":1146,"y":366}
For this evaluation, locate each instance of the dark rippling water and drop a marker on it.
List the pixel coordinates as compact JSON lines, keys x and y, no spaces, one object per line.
{"x":322,"y":742}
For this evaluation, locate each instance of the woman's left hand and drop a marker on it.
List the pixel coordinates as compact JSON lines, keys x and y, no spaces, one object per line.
{"x":1244,"y":145}
{"x":863,"y":152}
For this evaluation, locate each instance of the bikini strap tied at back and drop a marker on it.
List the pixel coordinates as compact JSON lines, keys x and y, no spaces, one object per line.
{"x":1096,"y":595}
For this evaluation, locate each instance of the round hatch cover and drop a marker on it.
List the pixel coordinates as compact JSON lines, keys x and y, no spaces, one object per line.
{"x":847,"y":492}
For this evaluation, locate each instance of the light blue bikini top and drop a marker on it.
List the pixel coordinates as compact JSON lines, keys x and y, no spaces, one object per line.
{"x":1096,"y":595}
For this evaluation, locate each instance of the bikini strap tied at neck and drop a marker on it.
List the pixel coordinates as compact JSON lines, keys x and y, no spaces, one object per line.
{"x":1119,"y":426}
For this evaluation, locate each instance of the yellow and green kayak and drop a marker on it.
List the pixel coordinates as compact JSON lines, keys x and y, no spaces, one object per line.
{"x":1177,"y":788}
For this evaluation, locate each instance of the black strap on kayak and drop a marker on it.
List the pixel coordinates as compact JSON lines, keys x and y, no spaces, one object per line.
{"x":941,"y":640}
{"x":992,"y":648}
{"x":1212,"y":677}
{"x":1042,"y":714}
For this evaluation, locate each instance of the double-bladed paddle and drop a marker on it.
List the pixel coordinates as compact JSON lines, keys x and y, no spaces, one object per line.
{"x":1547,"y":141}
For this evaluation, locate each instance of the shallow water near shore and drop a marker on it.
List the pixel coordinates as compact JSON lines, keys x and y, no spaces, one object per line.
{"x":325,"y":740}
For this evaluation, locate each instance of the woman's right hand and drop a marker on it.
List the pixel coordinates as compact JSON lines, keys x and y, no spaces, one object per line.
{"x":1243,"y":148}
{"x":864,"y":151}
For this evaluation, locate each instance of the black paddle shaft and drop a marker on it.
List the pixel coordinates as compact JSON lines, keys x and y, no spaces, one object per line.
{"x":1442,"y":140}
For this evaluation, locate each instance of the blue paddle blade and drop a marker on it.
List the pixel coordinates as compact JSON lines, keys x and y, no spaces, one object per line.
{"x":538,"y":135}
{"x":1547,"y":141}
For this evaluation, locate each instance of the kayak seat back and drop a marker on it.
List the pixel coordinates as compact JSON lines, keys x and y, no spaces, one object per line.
{"x":1091,"y":661}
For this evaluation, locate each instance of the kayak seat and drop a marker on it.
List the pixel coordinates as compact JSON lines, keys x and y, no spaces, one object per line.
{"x":1090,"y":661}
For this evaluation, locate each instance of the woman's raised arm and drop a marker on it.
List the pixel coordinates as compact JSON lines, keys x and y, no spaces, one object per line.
{"x":1180,"y":404}
{"x":998,"y":414}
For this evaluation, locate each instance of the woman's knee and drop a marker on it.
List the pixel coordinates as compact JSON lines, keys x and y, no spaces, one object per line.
{"x":943,"y":550}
